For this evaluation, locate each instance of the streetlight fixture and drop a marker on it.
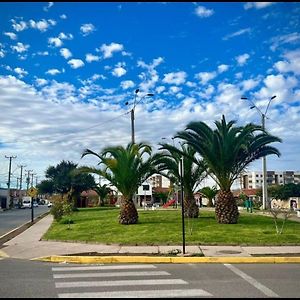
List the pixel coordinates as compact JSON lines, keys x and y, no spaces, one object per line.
{"x":264,"y":163}
{"x":132,"y":111}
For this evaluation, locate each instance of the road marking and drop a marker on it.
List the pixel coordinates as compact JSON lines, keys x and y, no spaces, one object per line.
{"x":252,"y":281}
{"x":110,"y":274}
{"x":3,"y":255}
{"x":146,"y":266}
{"x":141,"y":294}
{"x":75,"y":284}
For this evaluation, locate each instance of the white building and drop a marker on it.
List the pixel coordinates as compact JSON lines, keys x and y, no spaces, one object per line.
{"x":254,"y":180}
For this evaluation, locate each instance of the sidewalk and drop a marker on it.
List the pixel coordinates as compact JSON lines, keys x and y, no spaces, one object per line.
{"x":28,"y":245}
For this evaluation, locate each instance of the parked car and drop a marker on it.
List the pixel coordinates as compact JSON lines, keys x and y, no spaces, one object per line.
{"x":49,"y":204}
{"x":35,"y":204}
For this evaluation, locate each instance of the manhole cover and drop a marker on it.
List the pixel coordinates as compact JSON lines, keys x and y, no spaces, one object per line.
{"x":230,"y":252}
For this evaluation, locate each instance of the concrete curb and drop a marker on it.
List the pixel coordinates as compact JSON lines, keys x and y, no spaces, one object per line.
{"x":165,"y":260}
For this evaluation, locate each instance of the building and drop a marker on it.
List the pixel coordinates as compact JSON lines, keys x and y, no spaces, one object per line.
{"x":254,"y":180}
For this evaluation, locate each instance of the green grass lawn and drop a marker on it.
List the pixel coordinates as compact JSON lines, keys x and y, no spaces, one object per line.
{"x":164,"y":227}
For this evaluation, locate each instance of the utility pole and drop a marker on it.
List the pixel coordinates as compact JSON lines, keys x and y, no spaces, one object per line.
{"x":8,"y":201}
{"x":28,"y":178}
{"x":32,"y":178}
{"x":21,"y":180}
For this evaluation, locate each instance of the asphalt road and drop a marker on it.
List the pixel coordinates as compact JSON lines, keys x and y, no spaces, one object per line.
{"x":32,"y":279}
{"x":13,"y":218}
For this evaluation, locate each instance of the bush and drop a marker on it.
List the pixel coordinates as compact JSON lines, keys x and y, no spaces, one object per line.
{"x":57,"y":209}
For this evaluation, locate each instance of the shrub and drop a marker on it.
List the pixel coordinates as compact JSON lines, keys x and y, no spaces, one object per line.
{"x":57,"y":209}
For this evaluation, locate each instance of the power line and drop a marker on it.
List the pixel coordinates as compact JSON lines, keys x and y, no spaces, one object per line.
{"x":70,"y":133}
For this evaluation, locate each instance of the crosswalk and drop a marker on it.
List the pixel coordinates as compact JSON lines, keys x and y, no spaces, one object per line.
{"x":120,"y":281}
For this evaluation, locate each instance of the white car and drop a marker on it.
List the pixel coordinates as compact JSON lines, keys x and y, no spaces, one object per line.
{"x":26,"y":204}
{"x":49,"y":204}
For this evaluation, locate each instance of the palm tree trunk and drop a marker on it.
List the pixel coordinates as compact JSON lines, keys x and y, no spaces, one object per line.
{"x":226,"y":208}
{"x":191,"y":209}
{"x":128,"y":213}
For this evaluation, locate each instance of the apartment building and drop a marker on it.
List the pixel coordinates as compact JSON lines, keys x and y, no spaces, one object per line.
{"x":254,"y":180}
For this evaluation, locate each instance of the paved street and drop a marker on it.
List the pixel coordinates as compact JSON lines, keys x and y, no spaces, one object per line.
{"x":13,"y":218}
{"x":29,"y":279}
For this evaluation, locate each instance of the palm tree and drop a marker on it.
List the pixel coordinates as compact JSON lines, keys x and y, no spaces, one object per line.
{"x":193,"y":173}
{"x":227,"y":151}
{"x":126,"y":169}
{"x":102,"y":191}
{"x":209,"y":193}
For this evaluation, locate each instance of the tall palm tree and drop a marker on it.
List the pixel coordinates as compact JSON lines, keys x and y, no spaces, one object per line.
{"x":126,"y":169}
{"x":227,"y":151}
{"x":193,"y":173}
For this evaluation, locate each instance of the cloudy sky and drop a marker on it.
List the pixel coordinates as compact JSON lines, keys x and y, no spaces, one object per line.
{"x":67,"y":70}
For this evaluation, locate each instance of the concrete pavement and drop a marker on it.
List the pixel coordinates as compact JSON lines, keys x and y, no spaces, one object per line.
{"x":28,"y":245}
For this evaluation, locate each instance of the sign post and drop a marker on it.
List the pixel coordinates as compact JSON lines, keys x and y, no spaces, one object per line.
{"x":182,"y":203}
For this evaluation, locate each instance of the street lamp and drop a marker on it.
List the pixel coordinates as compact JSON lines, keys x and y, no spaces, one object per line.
{"x":264,"y":163}
{"x":132,"y":111}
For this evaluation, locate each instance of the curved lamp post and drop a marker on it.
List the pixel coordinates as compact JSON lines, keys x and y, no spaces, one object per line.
{"x":132,"y":111}
{"x":264,"y":164}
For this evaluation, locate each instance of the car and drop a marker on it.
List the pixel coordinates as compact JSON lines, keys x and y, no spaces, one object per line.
{"x":35,"y":204}
{"x":50,"y":204}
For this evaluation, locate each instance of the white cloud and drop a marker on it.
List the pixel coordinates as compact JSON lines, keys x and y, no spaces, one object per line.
{"x":63,"y":16}
{"x":64,"y":36}
{"x":87,"y":29}
{"x":291,"y":38}
{"x":66,"y":53}
{"x":237,"y":33}
{"x":203,"y":12}
{"x":257,"y":5}
{"x":160,"y":89}
{"x":175,"y":78}
{"x":55,"y":41}
{"x":90,"y":57}
{"x":42,"y":25}
{"x":242,"y":59}
{"x":20,"y":47}
{"x":205,"y":77}
{"x":21,"y":72}
{"x":108,"y":50}
{"x":119,"y":71}
{"x":53,"y":71}
{"x":46,"y":8}
{"x":249,"y":84}
{"x":223,"y":68}
{"x":126,"y":84}
{"x":291,"y":62}
{"x":76,"y":63}
{"x":19,"y":26}
{"x":11,"y":35}
{"x":41,"y":81}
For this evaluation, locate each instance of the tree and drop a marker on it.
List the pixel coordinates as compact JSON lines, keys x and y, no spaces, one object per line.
{"x":193,"y":172}
{"x":65,"y":180}
{"x":102,"y":191}
{"x":209,"y":193}
{"x":126,"y":169}
{"x":227,"y":151}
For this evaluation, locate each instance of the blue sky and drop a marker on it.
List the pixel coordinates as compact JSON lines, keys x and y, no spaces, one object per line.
{"x":67,"y":69}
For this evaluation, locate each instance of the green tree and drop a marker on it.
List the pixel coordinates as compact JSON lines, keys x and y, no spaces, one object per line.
{"x":209,"y":193}
{"x":126,"y":169}
{"x":193,"y":172}
{"x":65,"y":180}
{"x":102,"y":191}
{"x":227,"y":151}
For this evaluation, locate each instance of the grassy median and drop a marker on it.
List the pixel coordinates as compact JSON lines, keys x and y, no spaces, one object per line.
{"x":164,"y":227}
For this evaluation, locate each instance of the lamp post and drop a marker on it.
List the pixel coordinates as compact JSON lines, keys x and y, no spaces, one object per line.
{"x":132,"y":111}
{"x":264,"y":163}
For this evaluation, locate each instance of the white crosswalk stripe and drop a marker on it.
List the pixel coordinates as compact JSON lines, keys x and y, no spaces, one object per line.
{"x":102,"y":277}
